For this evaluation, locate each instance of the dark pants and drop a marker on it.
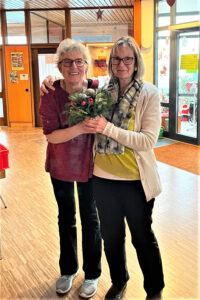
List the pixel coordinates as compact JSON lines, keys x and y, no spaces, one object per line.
{"x":117,"y":200}
{"x":91,"y":238}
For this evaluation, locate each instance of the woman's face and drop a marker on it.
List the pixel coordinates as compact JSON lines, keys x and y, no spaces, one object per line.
{"x":73,"y":71}
{"x":122,"y":70}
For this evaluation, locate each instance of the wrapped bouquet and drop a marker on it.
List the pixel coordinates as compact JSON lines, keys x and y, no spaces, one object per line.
{"x":91,"y":103}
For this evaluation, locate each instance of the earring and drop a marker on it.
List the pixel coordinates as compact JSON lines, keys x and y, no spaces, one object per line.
{"x":135,"y":69}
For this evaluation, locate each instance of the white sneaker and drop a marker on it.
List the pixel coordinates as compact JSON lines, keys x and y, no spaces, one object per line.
{"x":88,"y":288}
{"x":64,"y":283}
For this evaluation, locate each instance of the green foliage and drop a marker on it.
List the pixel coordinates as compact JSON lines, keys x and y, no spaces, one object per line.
{"x":91,"y":104}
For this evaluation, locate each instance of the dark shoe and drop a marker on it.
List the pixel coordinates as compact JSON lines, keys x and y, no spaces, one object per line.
{"x":157,"y":296}
{"x":115,"y":293}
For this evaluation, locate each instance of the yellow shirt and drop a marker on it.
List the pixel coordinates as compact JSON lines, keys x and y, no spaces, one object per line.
{"x":121,"y":165}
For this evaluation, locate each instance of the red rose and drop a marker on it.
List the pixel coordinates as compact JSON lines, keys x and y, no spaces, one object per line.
{"x":72,"y":103}
{"x":83,"y":103}
{"x":90,"y":100}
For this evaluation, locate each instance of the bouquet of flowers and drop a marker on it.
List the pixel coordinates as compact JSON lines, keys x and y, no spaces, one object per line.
{"x":91,"y":103}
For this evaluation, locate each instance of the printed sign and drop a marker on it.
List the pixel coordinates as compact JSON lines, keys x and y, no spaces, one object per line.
{"x":189,"y":62}
{"x":17,"y":61}
{"x":23,"y":76}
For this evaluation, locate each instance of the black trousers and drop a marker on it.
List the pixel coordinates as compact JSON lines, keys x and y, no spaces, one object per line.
{"x":91,"y":238}
{"x":117,"y":200}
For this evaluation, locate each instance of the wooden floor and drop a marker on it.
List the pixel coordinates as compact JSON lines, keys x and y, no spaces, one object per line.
{"x":29,"y":234}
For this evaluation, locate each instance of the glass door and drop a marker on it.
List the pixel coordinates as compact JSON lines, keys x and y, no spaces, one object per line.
{"x":187,"y":82}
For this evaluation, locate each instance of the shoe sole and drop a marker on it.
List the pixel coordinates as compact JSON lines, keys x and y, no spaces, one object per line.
{"x":59,"y":291}
{"x":87,"y":296}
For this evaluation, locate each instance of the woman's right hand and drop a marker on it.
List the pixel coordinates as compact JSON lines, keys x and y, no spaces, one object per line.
{"x":47,"y":82}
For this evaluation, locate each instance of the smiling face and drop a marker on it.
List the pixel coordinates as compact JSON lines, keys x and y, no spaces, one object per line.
{"x":72,"y":74}
{"x":122,"y":71}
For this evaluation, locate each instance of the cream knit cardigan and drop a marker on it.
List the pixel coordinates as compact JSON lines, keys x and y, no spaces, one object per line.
{"x":142,"y":140}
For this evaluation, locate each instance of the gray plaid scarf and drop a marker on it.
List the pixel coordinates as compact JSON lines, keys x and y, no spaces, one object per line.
{"x":124,"y":106}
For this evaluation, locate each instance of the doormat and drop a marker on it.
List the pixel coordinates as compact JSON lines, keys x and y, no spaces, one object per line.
{"x":180,"y":155}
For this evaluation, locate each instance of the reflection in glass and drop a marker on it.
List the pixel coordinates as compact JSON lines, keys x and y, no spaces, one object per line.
{"x":162,"y":67}
{"x":165,"y":117}
{"x":55,"y":33}
{"x":38,"y":29}
{"x":47,"y":26}
{"x":188,"y":82}
{"x":15,"y":27}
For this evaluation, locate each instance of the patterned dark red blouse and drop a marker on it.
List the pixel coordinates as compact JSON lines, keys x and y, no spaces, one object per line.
{"x":72,"y":160}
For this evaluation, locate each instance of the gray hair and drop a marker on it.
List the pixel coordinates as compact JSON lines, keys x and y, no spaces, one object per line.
{"x":69,"y":45}
{"x":139,"y":62}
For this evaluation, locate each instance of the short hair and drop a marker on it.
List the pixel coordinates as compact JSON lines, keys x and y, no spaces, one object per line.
{"x":139,"y":62}
{"x":69,"y":45}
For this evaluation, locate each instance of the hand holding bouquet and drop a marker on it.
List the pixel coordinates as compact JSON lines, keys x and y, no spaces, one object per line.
{"x":91,"y":103}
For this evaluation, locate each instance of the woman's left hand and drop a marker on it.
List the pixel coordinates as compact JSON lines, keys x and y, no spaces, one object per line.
{"x":95,"y":125}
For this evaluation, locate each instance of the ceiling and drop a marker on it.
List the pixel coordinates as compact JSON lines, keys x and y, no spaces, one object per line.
{"x":83,"y":12}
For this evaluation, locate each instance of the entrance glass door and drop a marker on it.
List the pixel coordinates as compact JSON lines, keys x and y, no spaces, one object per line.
{"x":187,"y":82}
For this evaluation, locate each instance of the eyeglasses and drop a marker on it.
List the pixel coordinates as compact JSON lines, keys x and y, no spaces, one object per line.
{"x":126,"y":60}
{"x":68,"y":62}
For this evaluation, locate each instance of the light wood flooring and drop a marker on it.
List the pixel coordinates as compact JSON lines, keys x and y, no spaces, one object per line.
{"x":29,"y":233}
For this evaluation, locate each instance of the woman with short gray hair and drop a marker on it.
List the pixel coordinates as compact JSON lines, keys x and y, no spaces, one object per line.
{"x":69,"y":158}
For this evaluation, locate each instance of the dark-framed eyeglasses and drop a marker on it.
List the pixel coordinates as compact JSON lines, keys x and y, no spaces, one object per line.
{"x":126,"y":60}
{"x":68,"y":62}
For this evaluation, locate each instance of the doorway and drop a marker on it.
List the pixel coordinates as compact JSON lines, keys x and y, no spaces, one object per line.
{"x":43,"y":64}
{"x":184,"y":98}
{"x":187,"y":82}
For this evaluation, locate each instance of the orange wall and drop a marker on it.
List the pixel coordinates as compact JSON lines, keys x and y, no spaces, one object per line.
{"x":137,"y":22}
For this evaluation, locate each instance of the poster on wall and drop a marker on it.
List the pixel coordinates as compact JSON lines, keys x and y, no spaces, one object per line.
{"x":13,"y":77}
{"x":17,"y":61}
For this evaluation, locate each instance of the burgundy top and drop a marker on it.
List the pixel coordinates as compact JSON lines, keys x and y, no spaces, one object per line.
{"x":72,"y":160}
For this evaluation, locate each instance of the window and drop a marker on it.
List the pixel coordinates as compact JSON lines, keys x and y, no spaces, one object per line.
{"x":38,"y":29}
{"x":47,"y":26}
{"x":162,"y":67}
{"x":15,"y":28}
{"x":92,"y":38}
{"x":163,"y":14}
{"x":187,"y":11}
{"x":56,"y":33}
